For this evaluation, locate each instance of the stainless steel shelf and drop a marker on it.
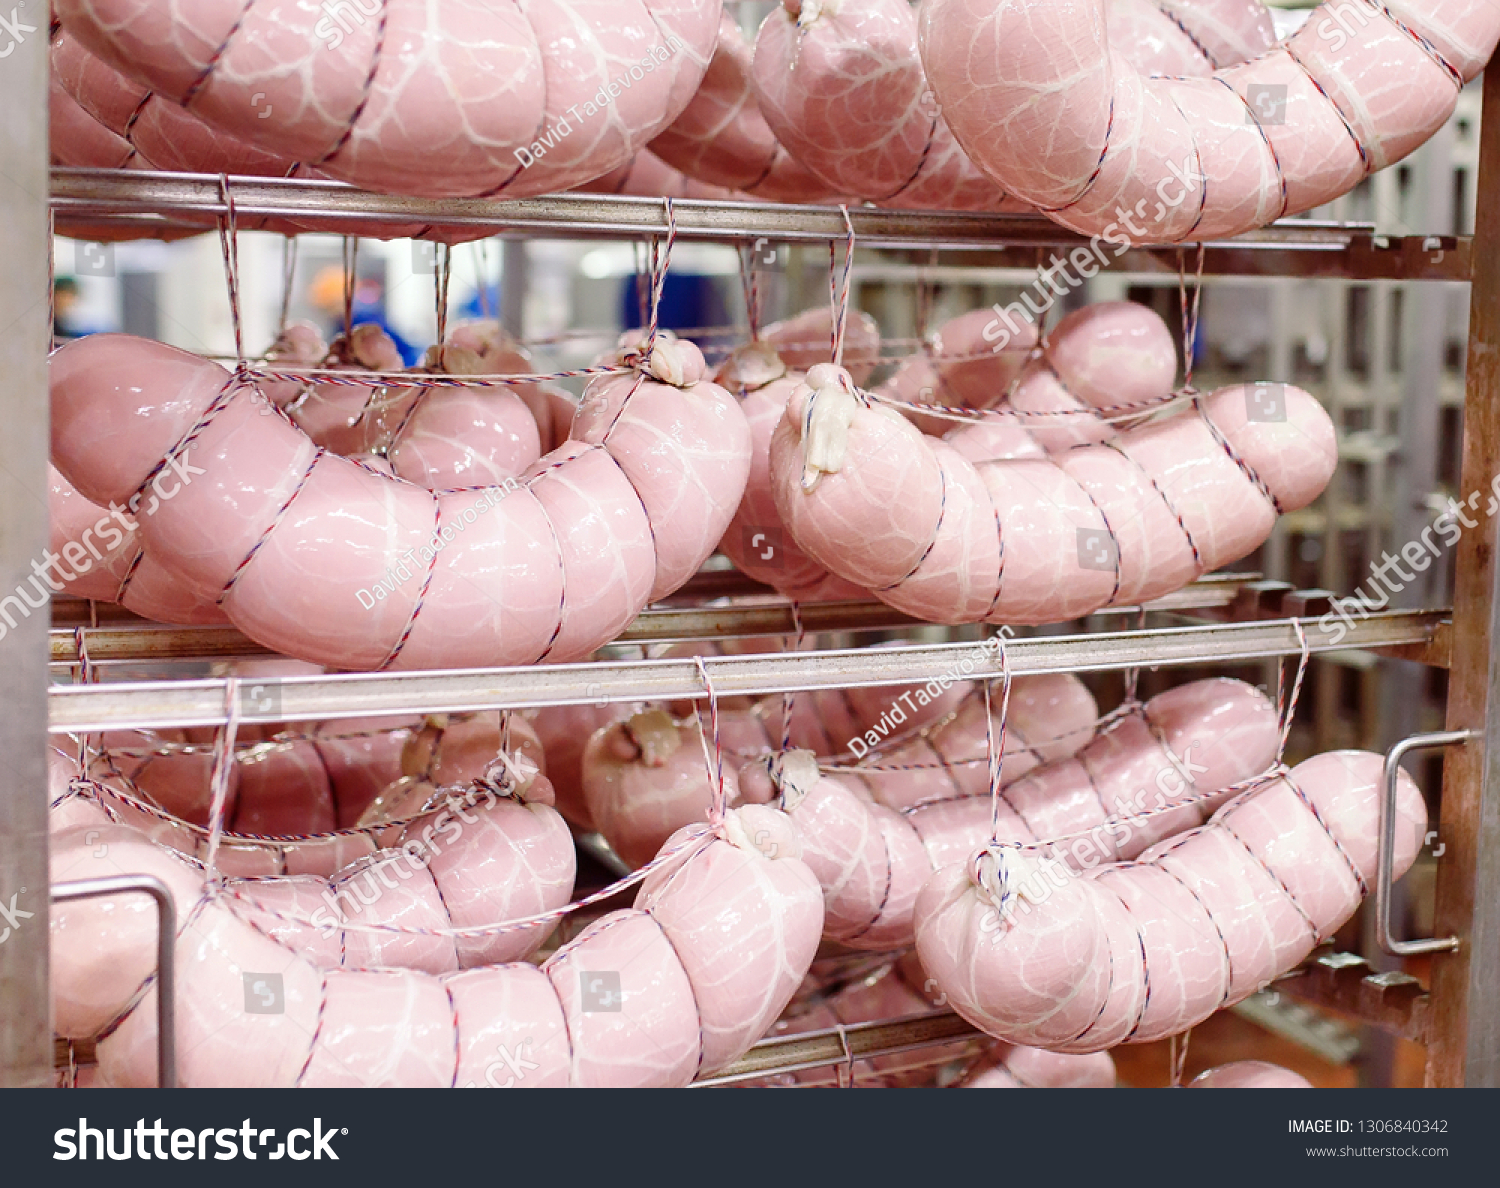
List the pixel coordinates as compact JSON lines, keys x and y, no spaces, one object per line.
{"x":85,"y":198}
{"x":857,"y":1041}
{"x":171,"y":704}
{"x":126,"y":639}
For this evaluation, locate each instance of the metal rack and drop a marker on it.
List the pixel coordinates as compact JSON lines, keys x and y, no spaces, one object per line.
{"x":1459,"y":1019}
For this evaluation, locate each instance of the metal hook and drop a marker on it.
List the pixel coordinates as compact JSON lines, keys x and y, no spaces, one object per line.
{"x":845,"y":1070}
{"x":1386,"y":857}
{"x":166,"y":951}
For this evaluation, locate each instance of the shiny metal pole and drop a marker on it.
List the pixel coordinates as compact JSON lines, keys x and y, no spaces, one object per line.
{"x":25,"y":245}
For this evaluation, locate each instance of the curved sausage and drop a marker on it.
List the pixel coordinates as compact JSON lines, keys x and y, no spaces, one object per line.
{"x":299,"y":540}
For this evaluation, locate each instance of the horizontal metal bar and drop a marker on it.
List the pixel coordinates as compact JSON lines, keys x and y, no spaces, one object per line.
{"x":124,"y":642}
{"x":165,"y":705}
{"x":137,"y":640}
{"x":713,"y":581}
{"x":87,"y":197}
{"x":858,"y":1041}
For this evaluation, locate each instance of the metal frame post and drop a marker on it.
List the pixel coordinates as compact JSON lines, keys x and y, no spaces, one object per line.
{"x":25,"y":246}
{"x":1465,"y":1044}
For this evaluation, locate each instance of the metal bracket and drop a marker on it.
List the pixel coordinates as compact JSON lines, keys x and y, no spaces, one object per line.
{"x":166,"y":945}
{"x":1387,"y":849}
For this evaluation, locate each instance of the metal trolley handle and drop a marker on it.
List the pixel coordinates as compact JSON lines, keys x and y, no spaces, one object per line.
{"x":1387,"y":849}
{"x":166,"y":944}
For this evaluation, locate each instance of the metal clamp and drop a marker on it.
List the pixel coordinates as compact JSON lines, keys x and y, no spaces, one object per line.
{"x":1387,"y":850}
{"x":166,"y":938}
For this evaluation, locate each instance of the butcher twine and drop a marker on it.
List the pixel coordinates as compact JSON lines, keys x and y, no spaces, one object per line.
{"x":1113,"y":414}
{"x":995,"y":869}
{"x":1183,"y":396}
{"x":245,"y":375}
{"x":838,"y":287}
{"x":507,"y":782}
{"x":991,"y":865}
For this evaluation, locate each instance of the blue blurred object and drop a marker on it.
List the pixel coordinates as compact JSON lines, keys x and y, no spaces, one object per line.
{"x":373,"y":313}
{"x":475,"y":308}
{"x":688,"y":302}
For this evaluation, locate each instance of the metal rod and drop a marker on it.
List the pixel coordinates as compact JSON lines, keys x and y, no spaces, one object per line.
{"x":857,"y":1041}
{"x":1386,"y":858}
{"x":172,"y":704}
{"x":1291,"y":247}
{"x":97,"y":192}
{"x":707,"y":584}
{"x":166,"y":953}
{"x":25,"y":332}
{"x":141,"y":641}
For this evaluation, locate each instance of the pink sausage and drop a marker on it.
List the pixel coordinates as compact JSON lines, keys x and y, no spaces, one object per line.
{"x":958,"y":367}
{"x":328,"y":776}
{"x":1224,"y":32}
{"x":755,"y":540}
{"x":716,"y":944}
{"x":297,"y":538}
{"x":564,"y":732}
{"x":806,"y":339}
{"x":77,"y":139}
{"x":646,"y":175}
{"x":332,"y":415}
{"x":644,"y":779}
{"x":95,"y":546}
{"x":940,"y":753}
{"x":1113,"y":358}
{"x":475,"y":859}
{"x":1044,"y":101}
{"x":873,"y":859}
{"x":722,"y":138}
{"x":468,"y":99}
{"x":1249,"y":1074}
{"x":98,"y":555}
{"x":299,"y":345}
{"x":1205,"y":918}
{"x":348,"y":773}
{"x":1196,"y":38}
{"x":164,"y":135}
{"x":1039,"y":541}
{"x":1033,"y":1068}
{"x":443,"y":438}
{"x":760,"y":374}
{"x":550,"y":406}
{"x":842,"y":87}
